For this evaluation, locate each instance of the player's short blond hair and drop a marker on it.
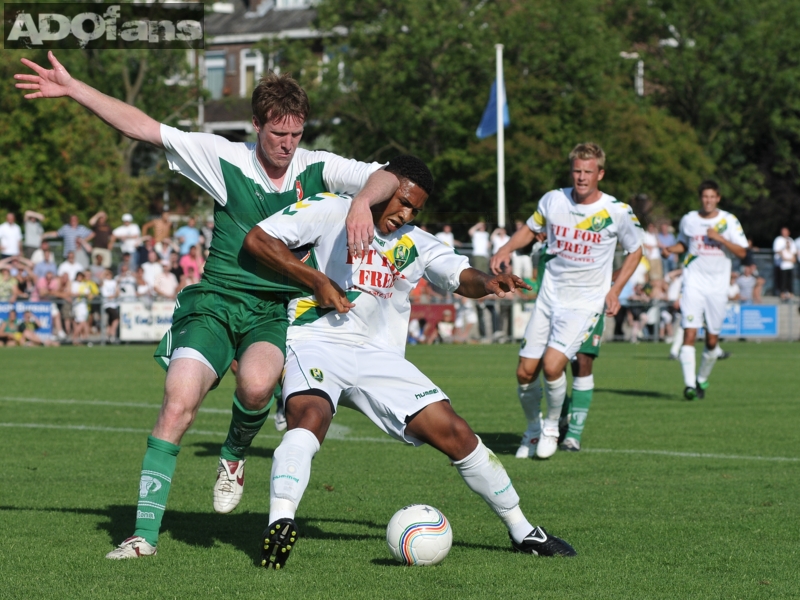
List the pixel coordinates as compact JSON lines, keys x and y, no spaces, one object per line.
{"x":588,"y":151}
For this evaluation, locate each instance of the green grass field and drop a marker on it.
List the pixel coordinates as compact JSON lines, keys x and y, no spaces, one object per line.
{"x":668,"y":499}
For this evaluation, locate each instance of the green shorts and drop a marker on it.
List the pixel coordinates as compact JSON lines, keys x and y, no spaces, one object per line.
{"x":592,"y":345}
{"x":221,"y":323}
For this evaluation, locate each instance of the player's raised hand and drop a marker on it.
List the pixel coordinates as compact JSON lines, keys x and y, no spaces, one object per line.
{"x":330,"y":295}
{"x":503,"y":284}
{"x":47,"y":83}
{"x":713,"y":234}
{"x":360,"y":229}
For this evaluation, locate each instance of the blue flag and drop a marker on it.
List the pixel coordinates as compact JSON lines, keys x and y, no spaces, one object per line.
{"x":488,"y":124}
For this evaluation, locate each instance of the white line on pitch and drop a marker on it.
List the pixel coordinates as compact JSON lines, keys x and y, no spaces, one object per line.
{"x":104,"y":403}
{"x":340,"y":433}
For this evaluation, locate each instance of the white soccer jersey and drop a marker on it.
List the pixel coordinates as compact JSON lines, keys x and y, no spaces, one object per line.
{"x":581,"y":239}
{"x":379,"y":284}
{"x":707,"y":265}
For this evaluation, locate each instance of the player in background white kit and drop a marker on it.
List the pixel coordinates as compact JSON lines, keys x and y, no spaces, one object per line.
{"x":346,"y":345}
{"x":709,"y":237}
{"x":583,"y":226}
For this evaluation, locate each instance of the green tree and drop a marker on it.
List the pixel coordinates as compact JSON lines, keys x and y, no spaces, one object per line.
{"x":730,"y":70}
{"x":415,"y":77}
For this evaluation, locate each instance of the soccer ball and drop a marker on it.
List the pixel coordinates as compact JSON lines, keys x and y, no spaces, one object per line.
{"x":419,"y":535}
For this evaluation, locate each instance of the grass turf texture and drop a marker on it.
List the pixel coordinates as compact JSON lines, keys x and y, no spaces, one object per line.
{"x":645,"y":525}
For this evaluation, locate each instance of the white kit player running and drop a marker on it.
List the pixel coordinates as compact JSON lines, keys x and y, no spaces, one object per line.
{"x":583,"y":226}
{"x":708,"y":237}
{"x":346,"y":345}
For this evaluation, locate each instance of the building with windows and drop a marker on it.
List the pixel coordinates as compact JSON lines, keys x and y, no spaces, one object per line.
{"x":243,"y":39}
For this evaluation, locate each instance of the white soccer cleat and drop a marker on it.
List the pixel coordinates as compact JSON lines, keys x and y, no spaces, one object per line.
{"x":280,"y":420}
{"x":548,"y":443}
{"x":570,"y":445}
{"x":229,"y":486}
{"x":527,"y":447}
{"x":133,"y":547}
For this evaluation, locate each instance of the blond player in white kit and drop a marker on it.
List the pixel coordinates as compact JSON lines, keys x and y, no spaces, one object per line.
{"x":583,"y":226}
{"x":709,"y":237}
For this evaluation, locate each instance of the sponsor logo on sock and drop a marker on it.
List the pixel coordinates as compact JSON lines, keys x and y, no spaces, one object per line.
{"x":505,"y":489}
{"x":426,"y":393}
{"x":140,"y":514}
{"x":147,"y":485}
{"x":295,"y":479}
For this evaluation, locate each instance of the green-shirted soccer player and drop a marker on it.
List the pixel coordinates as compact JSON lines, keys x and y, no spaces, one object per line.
{"x":238,"y":309}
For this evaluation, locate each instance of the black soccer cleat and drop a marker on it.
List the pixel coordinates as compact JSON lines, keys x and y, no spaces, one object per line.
{"x":724,"y":355}
{"x":277,"y":542}
{"x":539,"y":543}
{"x":701,"y":390}
{"x":689,"y":393}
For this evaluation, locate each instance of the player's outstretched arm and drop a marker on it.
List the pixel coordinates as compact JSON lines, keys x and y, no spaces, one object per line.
{"x":521,"y":238}
{"x":623,"y":274}
{"x":677,"y":248}
{"x":477,"y":284}
{"x":57,"y":83}
{"x":273,"y":253}
{"x":380,"y":186}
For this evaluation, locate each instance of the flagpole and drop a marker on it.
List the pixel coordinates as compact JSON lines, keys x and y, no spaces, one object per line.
{"x":501,"y":159}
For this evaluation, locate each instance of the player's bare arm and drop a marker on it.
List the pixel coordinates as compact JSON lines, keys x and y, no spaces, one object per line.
{"x":623,"y":274}
{"x":735,"y":249}
{"x":521,"y":238}
{"x":57,"y":83}
{"x":380,"y":186}
{"x":677,"y":248}
{"x":276,"y":255}
{"x":477,"y":284}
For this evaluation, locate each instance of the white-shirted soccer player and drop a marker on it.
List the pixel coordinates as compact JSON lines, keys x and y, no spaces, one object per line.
{"x":583,"y":226}
{"x":346,"y":345}
{"x":709,"y":237}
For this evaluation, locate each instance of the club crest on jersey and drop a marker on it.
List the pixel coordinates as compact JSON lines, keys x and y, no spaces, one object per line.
{"x":400,"y":256}
{"x":299,"y":187}
{"x":317,"y":374}
{"x":598,"y":223}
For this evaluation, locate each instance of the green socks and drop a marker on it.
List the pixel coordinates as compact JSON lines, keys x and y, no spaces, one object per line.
{"x":245,"y":425}
{"x":158,"y":467}
{"x":582,"y":389}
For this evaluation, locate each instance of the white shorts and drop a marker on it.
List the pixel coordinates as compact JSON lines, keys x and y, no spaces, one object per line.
{"x":697,"y":305}
{"x":382,"y":385}
{"x":564,"y":329}
{"x":80,"y":312}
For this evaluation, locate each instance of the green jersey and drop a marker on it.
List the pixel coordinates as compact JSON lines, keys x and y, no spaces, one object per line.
{"x":244,"y":196}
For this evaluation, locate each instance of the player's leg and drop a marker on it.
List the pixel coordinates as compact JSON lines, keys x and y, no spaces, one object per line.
{"x":529,"y":389}
{"x":692,"y":311}
{"x":715,"y":315}
{"x":582,"y":386}
{"x":260,"y":330}
{"x":187,"y":383}
{"x":582,"y":392}
{"x":439,"y":426}
{"x":311,"y":389}
{"x":554,"y":364}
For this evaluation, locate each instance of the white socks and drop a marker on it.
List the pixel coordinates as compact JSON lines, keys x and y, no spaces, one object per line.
{"x":687,"y":358}
{"x":291,"y":470}
{"x":485,"y":475}
{"x":707,"y":362}
{"x":555,"y":392}
{"x":530,"y":397}
{"x":677,"y":340}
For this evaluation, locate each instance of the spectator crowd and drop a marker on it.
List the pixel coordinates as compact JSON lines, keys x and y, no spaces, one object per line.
{"x":98,"y":268}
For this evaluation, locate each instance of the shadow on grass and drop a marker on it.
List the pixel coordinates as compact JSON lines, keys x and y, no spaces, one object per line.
{"x":641,"y":393}
{"x":240,"y":530}
{"x":212,"y":449}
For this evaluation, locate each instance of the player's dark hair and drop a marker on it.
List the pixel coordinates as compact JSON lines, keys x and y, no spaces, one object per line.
{"x":277,"y":97}
{"x":708,"y":184}
{"x":413,"y":169}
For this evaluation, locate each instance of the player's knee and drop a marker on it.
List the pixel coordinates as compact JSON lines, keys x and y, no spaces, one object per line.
{"x":525,"y":374}
{"x":177,"y":414}
{"x":309,"y":412}
{"x":552,"y":371}
{"x":254,"y":392}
